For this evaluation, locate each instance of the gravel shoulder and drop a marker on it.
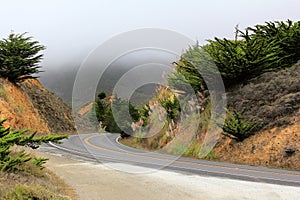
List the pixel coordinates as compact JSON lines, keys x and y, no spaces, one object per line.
{"x":93,"y":180}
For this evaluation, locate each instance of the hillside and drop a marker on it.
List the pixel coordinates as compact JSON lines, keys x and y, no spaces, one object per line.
{"x":30,"y":105}
{"x":272,"y":100}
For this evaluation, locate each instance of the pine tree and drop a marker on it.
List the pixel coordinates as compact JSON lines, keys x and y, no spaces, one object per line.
{"x":19,"y":57}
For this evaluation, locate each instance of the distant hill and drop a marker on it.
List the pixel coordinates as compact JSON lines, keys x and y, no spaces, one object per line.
{"x":61,"y":80}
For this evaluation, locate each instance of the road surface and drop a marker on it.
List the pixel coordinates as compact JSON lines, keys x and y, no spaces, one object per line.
{"x":106,"y":149}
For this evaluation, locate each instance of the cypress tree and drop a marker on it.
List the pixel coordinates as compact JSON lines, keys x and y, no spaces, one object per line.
{"x":19,"y":57}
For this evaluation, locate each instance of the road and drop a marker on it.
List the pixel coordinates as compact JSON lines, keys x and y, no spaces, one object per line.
{"x":106,"y":149}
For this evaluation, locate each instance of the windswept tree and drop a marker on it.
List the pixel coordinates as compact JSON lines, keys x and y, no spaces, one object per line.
{"x":19,"y":57}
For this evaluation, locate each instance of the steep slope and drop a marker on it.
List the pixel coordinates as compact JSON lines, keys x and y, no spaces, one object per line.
{"x":277,"y":147}
{"x":17,"y":107}
{"x":270,"y":99}
{"x":30,"y":105}
{"x":53,"y":110}
{"x":273,"y":101}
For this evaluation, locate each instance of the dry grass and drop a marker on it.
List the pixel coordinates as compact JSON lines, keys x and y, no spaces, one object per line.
{"x":33,"y":183}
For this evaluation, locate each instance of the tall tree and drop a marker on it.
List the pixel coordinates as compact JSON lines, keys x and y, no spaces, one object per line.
{"x":19,"y":57}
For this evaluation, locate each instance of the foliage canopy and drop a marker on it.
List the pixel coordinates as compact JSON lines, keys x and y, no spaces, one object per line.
{"x":19,"y":57}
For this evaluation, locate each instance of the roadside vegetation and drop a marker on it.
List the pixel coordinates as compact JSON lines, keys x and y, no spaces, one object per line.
{"x":12,"y":161}
{"x":22,"y":174}
{"x":255,"y":54}
{"x":104,"y":107}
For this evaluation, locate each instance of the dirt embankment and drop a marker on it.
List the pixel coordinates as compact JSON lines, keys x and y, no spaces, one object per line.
{"x":273,"y":101}
{"x":30,"y":105}
{"x":278,"y":147}
{"x":19,"y":110}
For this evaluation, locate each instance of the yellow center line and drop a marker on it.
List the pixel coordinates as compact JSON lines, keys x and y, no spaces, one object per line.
{"x":87,"y":141}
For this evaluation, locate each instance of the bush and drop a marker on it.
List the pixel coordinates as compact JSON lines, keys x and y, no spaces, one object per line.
{"x":8,"y":138}
{"x":286,"y":34}
{"x":19,"y":57}
{"x":170,"y":103}
{"x":101,"y":95}
{"x":254,"y":51}
{"x":257,"y":50}
{"x":194,"y":69}
{"x":240,"y":60}
{"x":235,"y":127}
{"x":211,"y":155}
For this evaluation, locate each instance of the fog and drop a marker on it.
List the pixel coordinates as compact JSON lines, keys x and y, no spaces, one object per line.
{"x":71,"y":29}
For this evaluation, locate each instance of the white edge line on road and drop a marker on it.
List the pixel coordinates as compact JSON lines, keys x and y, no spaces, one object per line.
{"x":117,"y":140}
{"x":243,"y":175}
{"x":203,"y":170}
{"x":69,"y":150}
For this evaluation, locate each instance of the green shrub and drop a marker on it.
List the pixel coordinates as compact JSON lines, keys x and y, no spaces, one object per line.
{"x":235,"y":127}
{"x":101,"y":95}
{"x":177,"y":148}
{"x":39,"y":162}
{"x":245,"y":57}
{"x":286,"y":34}
{"x":254,"y":51}
{"x":193,"y":149}
{"x":171,"y":105}
{"x":17,"y":108}
{"x":194,"y":69}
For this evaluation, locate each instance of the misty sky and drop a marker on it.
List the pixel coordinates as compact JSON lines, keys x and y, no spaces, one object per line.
{"x":70,"y":29}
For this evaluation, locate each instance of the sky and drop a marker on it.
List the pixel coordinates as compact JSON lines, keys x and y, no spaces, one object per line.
{"x":70,"y":29}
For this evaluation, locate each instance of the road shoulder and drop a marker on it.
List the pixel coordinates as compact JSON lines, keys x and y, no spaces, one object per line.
{"x":93,"y":180}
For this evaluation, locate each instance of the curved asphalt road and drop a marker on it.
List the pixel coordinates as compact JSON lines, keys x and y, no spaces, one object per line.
{"x":105,"y":148}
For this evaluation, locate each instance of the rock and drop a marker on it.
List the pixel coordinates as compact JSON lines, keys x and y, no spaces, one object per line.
{"x":289,"y":151}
